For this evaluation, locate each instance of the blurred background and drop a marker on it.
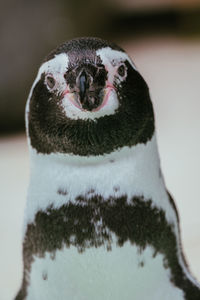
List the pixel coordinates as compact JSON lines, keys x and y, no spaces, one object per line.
{"x":163,"y":39}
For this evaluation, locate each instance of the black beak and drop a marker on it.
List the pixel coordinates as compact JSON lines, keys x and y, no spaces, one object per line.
{"x":83,"y":85}
{"x":87,"y":82}
{"x":90,"y":87}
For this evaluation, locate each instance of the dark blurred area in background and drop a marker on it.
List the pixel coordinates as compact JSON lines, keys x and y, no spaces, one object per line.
{"x":30,"y":29}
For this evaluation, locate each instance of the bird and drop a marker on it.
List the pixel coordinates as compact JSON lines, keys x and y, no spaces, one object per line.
{"x":99,"y":222}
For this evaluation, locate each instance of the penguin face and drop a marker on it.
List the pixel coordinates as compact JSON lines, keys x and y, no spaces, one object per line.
{"x":88,"y":99}
{"x":84,"y":89}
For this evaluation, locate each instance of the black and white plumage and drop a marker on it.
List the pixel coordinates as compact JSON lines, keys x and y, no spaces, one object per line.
{"x":99,"y":222}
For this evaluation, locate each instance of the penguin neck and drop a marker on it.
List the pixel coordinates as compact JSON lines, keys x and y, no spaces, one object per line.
{"x":57,"y":179}
{"x":140,"y":155}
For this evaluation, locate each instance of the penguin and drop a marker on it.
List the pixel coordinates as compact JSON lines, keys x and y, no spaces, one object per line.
{"x":99,"y":221}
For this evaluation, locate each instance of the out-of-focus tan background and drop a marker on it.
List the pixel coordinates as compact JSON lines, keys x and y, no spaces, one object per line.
{"x":163,"y":38}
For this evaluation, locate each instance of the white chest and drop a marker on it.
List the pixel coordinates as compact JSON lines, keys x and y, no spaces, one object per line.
{"x":96,"y":273}
{"x":122,"y":273}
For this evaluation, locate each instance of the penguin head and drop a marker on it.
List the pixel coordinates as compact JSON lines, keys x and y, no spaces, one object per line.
{"x":88,"y":99}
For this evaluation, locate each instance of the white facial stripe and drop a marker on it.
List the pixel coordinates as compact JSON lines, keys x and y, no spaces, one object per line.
{"x":112,"y":60}
{"x":109,"y":55}
{"x":58,"y":64}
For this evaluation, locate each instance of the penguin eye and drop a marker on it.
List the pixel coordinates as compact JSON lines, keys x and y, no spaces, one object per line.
{"x":121,"y":70}
{"x":50,"y":81}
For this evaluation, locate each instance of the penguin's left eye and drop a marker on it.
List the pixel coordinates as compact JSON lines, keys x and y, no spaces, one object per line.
{"x":50,"y":82}
{"x":121,"y":70}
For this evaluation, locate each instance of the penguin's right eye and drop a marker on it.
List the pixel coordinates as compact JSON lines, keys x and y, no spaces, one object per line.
{"x":50,"y":81}
{"x":121,"y":70}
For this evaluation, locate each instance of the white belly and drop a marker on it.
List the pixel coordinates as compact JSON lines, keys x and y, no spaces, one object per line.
{"x":98,"y":274}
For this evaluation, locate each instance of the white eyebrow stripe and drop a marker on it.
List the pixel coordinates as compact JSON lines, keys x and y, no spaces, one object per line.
{"x":107,"y":54}
{"x":59,"y":63}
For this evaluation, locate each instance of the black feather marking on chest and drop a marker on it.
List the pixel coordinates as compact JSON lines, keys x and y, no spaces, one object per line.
{"x":51,"y":131}
{"x":92,"y":223}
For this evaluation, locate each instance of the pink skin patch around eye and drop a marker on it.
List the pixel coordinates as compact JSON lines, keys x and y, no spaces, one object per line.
{"x":109,"y":88}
